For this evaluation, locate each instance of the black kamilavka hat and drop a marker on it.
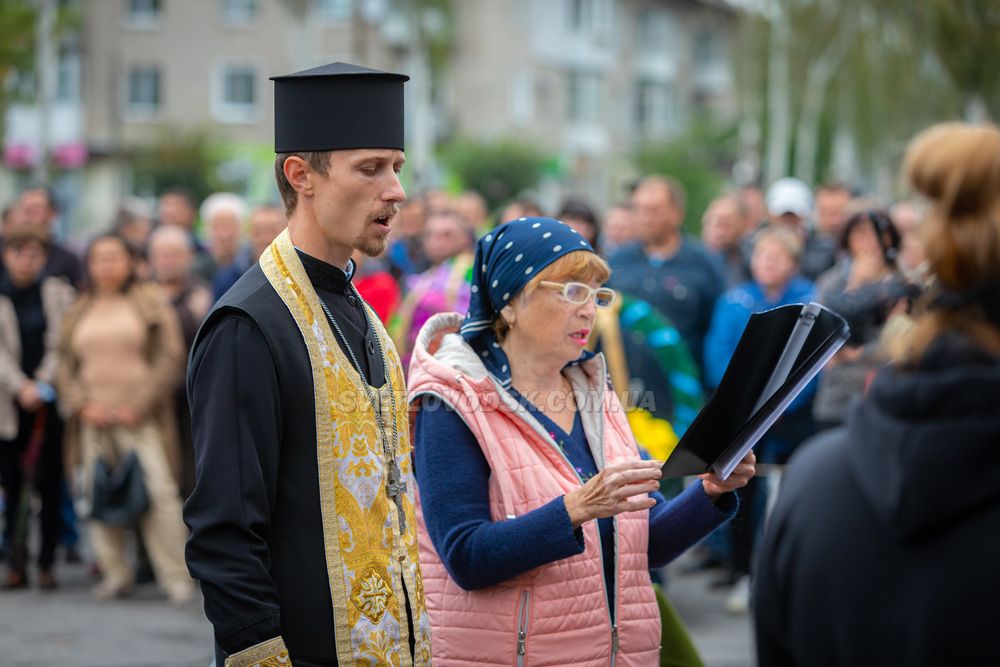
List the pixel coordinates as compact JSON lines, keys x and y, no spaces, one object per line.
{"x":338,"y":106}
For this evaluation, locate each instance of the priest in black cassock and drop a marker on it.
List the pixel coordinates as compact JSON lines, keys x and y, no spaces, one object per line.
{"x":302,"y":525}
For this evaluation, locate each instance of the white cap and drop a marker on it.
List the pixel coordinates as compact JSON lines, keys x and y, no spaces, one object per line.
{"x":789,"y":195}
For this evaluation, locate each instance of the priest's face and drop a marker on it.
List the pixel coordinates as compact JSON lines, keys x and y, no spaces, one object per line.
{"x":356,"y":202}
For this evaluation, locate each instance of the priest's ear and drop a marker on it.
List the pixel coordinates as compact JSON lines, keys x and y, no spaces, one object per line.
{"x":297,"y":172}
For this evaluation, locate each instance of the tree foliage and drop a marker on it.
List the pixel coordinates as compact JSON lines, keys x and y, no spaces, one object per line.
{"x":187,"y":159}
{"x":876,"y":71}
{"x":498,"y":170}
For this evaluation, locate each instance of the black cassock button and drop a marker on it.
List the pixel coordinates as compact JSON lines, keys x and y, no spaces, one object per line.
{"x":352,"y":300}
{"x":371,"y":346}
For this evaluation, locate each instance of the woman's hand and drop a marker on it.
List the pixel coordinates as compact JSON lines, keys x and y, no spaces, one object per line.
{"x":95,"y":415}
{"x":715,"y":486}
{"x":613,"y":490}
{"x":866,"y":267}
{"x":126,"y":416}
{"x":28,"y":398}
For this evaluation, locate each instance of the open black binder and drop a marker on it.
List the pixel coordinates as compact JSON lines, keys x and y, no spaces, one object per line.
{"x":780,"y":351}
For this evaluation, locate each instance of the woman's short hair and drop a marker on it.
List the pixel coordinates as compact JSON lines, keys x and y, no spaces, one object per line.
{"x":21,"y":235}
{"x":579,"y":266}
{"x":788,"y":239}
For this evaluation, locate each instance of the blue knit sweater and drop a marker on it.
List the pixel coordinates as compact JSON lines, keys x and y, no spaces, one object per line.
{"x":453,"y":476}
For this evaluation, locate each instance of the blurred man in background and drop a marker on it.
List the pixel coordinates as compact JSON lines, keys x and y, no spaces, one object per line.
{"x":670,"y":270}
{"x":789,"y":204}
{"x":224,"y":214}
{"x":37,"y":206}
{"x":266,"y":222}
{"x":619,"y":228}
{"x":722,"y":229}
{"x":170,"y":258}
{"x":832,"y":200}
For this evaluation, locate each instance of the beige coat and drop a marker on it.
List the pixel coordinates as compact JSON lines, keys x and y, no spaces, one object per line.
{"x":57,"y":297}
{"x":165,"y":352}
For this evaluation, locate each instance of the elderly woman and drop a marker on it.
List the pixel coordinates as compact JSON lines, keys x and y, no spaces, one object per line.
{"x":538,"y":521}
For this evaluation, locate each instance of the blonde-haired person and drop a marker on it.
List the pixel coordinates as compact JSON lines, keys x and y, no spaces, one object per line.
{"x":882,"y":548}
{"x":538,"y":520}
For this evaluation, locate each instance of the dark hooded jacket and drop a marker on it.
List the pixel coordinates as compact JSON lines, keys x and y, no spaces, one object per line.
{"x":884,"y":545}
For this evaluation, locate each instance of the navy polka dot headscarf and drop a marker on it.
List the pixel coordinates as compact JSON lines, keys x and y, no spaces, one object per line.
{"x":506,"y":260}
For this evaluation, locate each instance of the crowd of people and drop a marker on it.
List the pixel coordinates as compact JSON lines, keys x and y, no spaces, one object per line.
{"x":94,"y":347}
{"x":98,"y":343}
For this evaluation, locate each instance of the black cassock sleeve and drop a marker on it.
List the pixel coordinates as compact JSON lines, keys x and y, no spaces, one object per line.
{"x":236,"y":416}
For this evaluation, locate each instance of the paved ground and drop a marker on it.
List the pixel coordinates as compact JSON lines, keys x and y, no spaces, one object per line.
{"x":723,"y":639}
{"x":69,"y":628}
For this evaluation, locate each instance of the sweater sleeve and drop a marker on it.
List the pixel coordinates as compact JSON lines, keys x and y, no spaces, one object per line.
{"x":453,"y":478}
{"x":677,"y":524}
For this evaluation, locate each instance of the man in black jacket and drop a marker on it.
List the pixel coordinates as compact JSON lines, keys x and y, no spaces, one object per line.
{"x":302,"y":517}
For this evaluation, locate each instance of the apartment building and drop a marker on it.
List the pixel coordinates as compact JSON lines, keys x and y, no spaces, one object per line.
{"x":586,"y":80}
{"x":589,"y":80}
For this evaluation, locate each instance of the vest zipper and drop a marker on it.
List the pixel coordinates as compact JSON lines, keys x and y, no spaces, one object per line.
{"x":521,"y":637}
{"x":522,"y":627}
{"x":614,"y":619}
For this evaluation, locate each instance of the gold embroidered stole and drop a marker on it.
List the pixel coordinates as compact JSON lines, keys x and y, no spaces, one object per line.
{"x":367,"y":559}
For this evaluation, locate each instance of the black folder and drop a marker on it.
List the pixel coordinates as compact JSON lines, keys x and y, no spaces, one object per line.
{"x":780,"y":351}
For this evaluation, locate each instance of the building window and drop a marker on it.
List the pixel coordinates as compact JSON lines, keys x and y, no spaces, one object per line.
{"x":68,"y":82}
{"x":333,"y":11}
{"x":239,"y":12}
{"x":653,"y":31}
{"x":656,"y":113}
{"x":593,"y":17}
{"x":144,"y":94}
{"x":522,"y":104}
{"x":584,"y":97}
{"x":236,"y":94}
{"x":706,"y":48}
{"x":143,"y":13}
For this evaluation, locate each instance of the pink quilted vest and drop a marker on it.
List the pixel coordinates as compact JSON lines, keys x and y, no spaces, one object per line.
{"x":556,"y":614}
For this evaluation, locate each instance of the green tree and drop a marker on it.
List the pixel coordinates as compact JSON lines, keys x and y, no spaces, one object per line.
{"x":498,"y":170}
{"x":819,"y":76}
{"x":188,"y":159}
{"x":964,"y":35}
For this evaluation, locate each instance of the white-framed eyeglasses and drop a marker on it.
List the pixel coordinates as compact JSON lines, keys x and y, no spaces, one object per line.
{"x":580,"y":293}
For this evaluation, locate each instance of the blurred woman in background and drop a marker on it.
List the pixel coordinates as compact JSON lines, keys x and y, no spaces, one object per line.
{"x":31,"y":307}
{"x":121,"y":354}
{"x":863,"y":288}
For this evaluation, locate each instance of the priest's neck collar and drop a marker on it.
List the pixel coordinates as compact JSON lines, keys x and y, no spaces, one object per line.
{"x":326,"y":276}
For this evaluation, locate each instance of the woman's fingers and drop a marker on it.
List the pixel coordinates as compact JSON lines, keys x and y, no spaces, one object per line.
{"x":622,"y":477}
{"x":636,"y":505}
{"x":630,"y":490}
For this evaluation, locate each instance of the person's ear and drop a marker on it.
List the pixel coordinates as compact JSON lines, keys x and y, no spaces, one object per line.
{"x":507,"y":313}
{"x":297,"y":173}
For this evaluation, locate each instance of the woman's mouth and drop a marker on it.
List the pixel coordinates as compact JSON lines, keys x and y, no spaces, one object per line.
{"x":580,"y":336}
